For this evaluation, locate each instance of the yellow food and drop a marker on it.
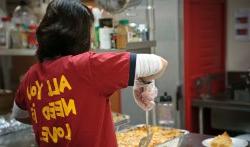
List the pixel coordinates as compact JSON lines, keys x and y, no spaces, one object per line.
{"x":160,"y":135}
{"x":223,"y":140}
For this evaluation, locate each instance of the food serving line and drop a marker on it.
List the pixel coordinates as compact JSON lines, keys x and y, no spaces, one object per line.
{"x":182,"y":138}
{"x":26,"y":138}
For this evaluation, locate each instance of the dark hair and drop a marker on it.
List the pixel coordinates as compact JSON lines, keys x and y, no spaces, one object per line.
{"x":64,"y":30}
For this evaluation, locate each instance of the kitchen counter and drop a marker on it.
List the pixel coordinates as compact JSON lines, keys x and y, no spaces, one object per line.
{"x":218,"y":103}
{"x":25,"y":138}
{"x":194,"y":140}
{"x":222,"y":104}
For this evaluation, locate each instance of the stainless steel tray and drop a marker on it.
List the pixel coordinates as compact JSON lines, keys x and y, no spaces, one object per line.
{"x":174,"y":142}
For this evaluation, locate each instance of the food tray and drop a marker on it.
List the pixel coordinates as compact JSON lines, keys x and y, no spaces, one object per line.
{"x":10,"y":125}
{"x":173,"y":142}
{"x":120,"y":120}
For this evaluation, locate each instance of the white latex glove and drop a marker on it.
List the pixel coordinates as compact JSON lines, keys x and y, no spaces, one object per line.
{"x":144,"y":94}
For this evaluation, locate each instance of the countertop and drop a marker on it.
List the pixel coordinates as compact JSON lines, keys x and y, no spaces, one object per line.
{"x":222,"y":104}
{"x":25,"y":138}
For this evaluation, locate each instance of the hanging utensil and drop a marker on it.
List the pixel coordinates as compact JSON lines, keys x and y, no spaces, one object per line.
{"x":144,"y":142}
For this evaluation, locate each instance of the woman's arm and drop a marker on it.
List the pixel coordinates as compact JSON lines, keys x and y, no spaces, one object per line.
{"x":150,"y":67}
{"x":159,"y":74}
{"x":20,"y":115}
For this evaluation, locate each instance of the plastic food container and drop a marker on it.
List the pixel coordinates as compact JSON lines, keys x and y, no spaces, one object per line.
{"x":169,"y":142}
{"x":120,"y":120}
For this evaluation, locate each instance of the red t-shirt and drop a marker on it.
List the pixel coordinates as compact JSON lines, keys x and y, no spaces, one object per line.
{"x":67,"y":98}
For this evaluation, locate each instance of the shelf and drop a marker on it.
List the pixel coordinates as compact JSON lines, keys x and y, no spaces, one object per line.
{"x":141,"y":45}
{"x":17,"y":52}
{"x":133,"y":47}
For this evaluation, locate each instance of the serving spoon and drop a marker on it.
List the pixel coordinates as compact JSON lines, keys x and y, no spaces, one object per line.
{"x":144,"y":142}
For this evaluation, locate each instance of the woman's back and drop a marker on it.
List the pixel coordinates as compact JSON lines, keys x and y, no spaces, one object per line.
{"x":68,"y":98}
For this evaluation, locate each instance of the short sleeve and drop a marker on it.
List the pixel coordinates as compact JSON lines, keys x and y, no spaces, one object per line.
{"x":21,"y":96}
{"x":113,"y":71}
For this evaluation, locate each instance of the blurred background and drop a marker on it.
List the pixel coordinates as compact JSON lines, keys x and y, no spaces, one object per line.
{"x":206,"y":42}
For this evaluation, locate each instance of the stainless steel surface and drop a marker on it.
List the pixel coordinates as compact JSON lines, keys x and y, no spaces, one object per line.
{"x":167,"y":36}
{"x":201,"y":129}
{"x":177,"y":141}
{"x":181,"y":117}
{"x":26,"y":138}
{"x":9,"y":125}
{"x":150,"y":18}
{"x":221,"y":104}
{"x":167,"y":47}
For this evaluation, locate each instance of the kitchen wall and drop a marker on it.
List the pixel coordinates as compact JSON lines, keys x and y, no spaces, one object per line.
{"x":238,"y":59}
{"x":166,"y":12}
{"x":238,"y":53}
{"x":2,"y":5}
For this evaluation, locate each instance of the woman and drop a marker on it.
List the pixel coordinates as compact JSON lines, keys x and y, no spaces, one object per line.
{"x":66,"y":95}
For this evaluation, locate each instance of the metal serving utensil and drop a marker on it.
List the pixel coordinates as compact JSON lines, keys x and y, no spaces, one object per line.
{"x":144,"y":142}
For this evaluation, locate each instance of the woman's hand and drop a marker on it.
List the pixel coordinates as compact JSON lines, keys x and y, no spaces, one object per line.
{"x":145,"y":94}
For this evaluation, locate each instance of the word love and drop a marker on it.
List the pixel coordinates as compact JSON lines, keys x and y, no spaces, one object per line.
{"x":55,"y":133}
